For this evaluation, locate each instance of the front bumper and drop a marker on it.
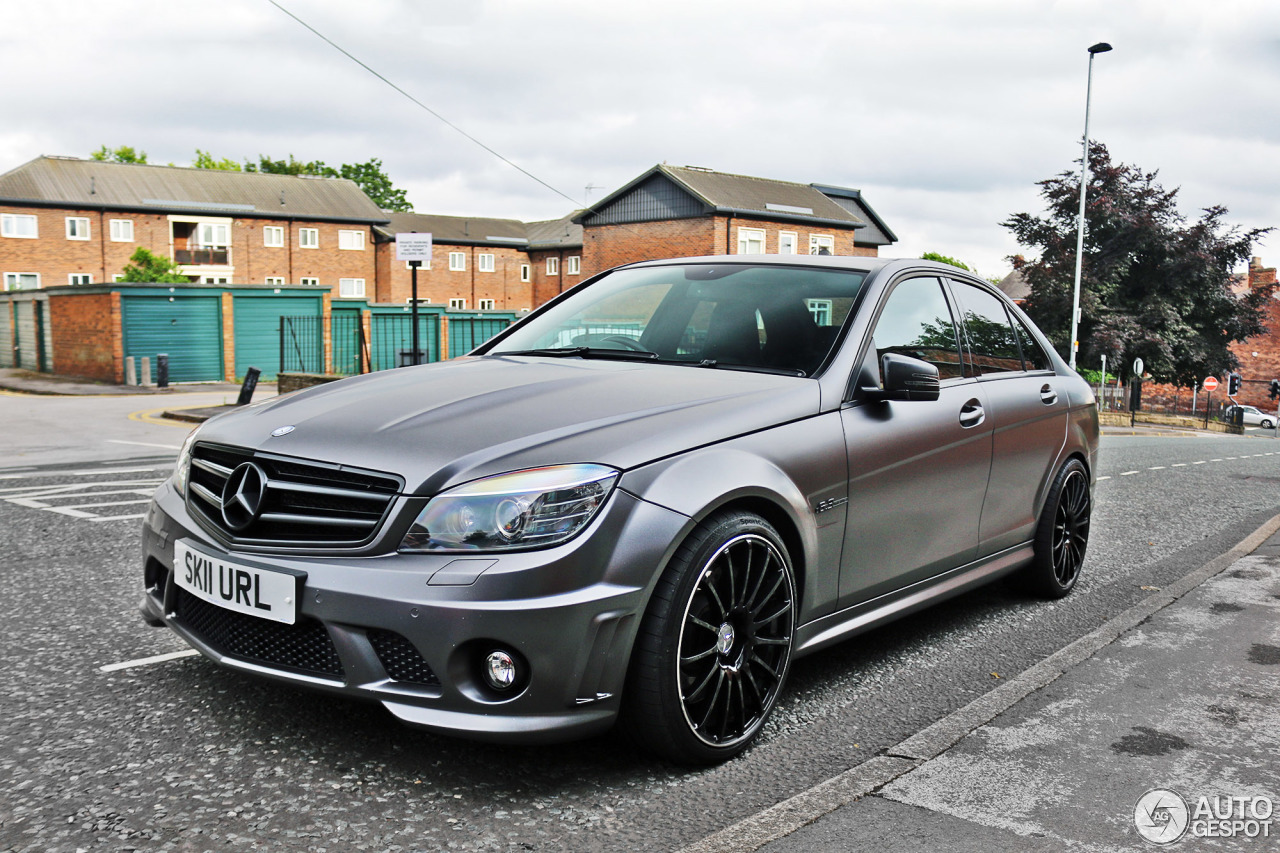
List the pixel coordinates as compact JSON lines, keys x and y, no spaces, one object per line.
{"x":410,"y":630}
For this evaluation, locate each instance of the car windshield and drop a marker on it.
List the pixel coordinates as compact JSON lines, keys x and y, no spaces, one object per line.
{"x":767,"y":318}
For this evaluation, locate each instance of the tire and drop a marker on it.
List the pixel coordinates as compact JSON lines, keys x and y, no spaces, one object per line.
{"x":714,"y":648}
{"x":1266,"y":423}
{"x":1062,"y":534}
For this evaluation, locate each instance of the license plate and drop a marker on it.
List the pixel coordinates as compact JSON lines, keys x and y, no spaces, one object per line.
{"x":251,"y":590}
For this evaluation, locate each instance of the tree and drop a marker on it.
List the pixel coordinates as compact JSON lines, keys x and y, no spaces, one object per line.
{"x":368,"y":176}
{"x":205,"y":160}
{"x":943,"y":259}
{"x":290,"y":167}
{"x":146,"y":266}
{"x":123,"y":154}
{"x":1153,"y":285}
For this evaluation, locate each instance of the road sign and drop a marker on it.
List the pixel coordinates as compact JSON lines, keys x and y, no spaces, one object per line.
{"x":1210,"y":383}
{"x":1137,"y":367}
{"x":414,"y":247}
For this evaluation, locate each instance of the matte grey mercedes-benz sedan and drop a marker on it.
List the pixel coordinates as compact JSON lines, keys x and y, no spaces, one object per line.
{"x":641,"y":502}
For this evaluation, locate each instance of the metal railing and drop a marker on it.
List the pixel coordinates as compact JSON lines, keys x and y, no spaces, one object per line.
{"x":201,"y":256}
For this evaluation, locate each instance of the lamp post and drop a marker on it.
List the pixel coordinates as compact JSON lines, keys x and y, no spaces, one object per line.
{"x":1100,"y":47}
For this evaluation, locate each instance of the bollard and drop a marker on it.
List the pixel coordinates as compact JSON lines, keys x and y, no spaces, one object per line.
{"x":250,"y":382}
{"x":162,"y":370}
{"x":130,"y":378}
{"x":146,"y":370}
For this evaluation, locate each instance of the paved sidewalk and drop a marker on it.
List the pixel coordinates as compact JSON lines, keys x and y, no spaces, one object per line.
{"x":1181,"y":692}
{"x":32,"y":382}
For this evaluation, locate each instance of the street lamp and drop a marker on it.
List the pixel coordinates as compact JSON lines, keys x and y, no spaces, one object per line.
{"x":1100,"y":47}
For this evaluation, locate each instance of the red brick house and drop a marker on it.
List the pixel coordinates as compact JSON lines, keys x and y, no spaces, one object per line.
{"x":1259,"y":356}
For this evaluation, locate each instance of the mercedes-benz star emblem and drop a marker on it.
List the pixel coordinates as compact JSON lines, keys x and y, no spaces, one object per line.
{"x":284,"y":430}
{"x":243,"y":496}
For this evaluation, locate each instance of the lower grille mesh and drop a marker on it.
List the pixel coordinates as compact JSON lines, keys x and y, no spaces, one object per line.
{"x":303,"y":647}
{"x":400,"y":658}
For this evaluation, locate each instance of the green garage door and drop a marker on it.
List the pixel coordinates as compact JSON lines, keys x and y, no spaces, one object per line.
{"x":258,"y":329}
{"x":188,"y":328}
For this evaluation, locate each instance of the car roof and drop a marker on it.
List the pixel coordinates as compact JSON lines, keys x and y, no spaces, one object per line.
{"x":847,"y":262}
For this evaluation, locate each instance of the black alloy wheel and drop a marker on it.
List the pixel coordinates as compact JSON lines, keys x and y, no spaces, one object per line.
{"x":715,"y":648}
{"x":1062,"y":534}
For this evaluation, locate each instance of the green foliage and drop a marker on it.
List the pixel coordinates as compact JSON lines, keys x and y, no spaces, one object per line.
{"x":123,"y":154}
{"x":368,"y":176}
{"x":147,"y":266}
{"x":1093,"y":377}
{"x":943,"y":259}
{"x":290,"y":167}
{"x":205,"y":160}
{"x":1153,"y":284}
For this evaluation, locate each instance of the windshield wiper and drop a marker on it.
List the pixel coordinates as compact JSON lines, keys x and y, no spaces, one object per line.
{"x":750,"y":368}
{"x":585,"y":352}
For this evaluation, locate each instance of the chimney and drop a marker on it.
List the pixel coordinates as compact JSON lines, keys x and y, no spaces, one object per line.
{"x":1260,"y":275}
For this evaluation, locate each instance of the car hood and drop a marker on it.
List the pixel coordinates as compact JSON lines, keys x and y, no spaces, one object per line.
{"x":442,"y":424}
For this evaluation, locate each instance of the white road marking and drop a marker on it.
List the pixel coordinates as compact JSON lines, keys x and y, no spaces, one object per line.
{"x":44,"y":475}
{"x":51,"y":498}
{"x":106,"y":503}
{"x":1201,"y":462}
{"x":119,"y":517}
{"x":145,"y":444}
{"x":1127,"y":473}
{"x":130,"y":664}
{"x":1103,"y":478}
{"x":1156,"y":468}
{"x":1179,"y":465}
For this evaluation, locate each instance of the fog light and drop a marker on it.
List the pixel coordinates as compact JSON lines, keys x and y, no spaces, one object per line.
{"x":500,"y":670}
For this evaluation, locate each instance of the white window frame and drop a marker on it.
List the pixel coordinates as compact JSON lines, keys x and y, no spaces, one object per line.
{"x":309,"y":281}
{"x":422,"y":300}
{"x":276,"y":280}
{"x":553,"y":266}
{"x":12,"y":280}
{"x":788,"y":241}
{"x":215,"y":279}
{"x":749,"y":236}
{"x":308,"y":238}
{"x":351,"y":288}
{"x":526,"y":272}
{"x":85,"y":278}
{"x":77,"y":228}
{"x":423,"y":265}
{"x":9,"y":223}
{"x":273,"y":236}
{"x":486,"y":304}
{"x":573,"y":265}
{"x":820,"y":309}
{"x":484,"y":262}
{"x":117,"y":277}
{"x":121,"y":230}
{"x":457,"y":304}
{"x":457,"y":262}
{"x":819,"y":241}
{"x":351,"y":241}
{"x":214,"y":235}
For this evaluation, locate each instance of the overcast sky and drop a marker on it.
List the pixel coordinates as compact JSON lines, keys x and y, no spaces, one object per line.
{"x":945,"y":113}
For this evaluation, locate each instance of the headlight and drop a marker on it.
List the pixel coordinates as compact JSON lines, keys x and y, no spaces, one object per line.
{"x":524,"y":509}
{"x":182,"y":470}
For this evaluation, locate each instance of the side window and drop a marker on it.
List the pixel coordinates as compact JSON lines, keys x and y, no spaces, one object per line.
{"x":917,"y":322}
{"x":1032,"y":353}
{"x":992,"y":345}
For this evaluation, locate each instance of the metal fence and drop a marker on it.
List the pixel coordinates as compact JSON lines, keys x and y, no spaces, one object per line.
{"x":392,"y":340}
{"x":302,"y":344}
{"x":467,"y":333}
{"x":389,"y":343}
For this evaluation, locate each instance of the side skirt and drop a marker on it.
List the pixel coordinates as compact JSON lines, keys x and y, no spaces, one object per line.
{"x":862,"y":617}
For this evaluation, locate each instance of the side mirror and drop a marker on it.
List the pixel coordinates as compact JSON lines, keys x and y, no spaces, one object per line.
{"x":905,"y":378}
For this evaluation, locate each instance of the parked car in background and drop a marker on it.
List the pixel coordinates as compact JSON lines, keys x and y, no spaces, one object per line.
{"x":641,"y":502}
{"x":1252,"y":416}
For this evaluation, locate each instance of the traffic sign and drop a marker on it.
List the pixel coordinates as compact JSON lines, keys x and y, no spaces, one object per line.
{"x":1137,"y":367}
{"x":1210,"y":383}
{"x":413,"y":247}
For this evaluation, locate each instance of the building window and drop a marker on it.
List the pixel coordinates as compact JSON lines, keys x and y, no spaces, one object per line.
{"x":21,"y":280}
{"x":351,"y":240}
{"x":215,"y":235}
{"x":526,"y":272}
{"x":422,"y":265}
{"x":122,"y":231}
{"x":77,"y":228}
{"x":786,"y":242}
{"x":750,"y":241}
{"x":457,"y":304}
{"x":821,"y":311}
{"x":277,"y":280}
{"x":421,"y":301}
{"x":822,"y":244}
{"x":310,"y":282}
{"x":273,"y":236}
{"x":573,"y":265}
{"x":553,"y":266}
{"x":351,"y":288}
{"x":118,"y":277}
{"x":484,"y":262}
{"x":19,"y":225}
{"x":486,"y":304}
{"x":309,"y":238}
{"x":215,"y":279}
{"x":80,"y":278}
{"x":457,"y":261}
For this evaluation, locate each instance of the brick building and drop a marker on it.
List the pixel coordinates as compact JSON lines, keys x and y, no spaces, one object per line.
{"x":64,"y":220}
{"x":1259,"y":356}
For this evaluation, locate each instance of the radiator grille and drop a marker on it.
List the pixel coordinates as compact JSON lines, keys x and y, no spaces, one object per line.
{"x":400,"y":658}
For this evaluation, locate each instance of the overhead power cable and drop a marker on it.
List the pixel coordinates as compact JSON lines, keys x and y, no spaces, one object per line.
{"x":348,"y":55}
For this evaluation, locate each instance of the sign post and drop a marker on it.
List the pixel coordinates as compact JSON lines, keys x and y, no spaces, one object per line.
{"x":414,"y":248}
{"x":1210,"y":383}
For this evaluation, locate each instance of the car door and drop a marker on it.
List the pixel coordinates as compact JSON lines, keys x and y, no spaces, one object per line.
{"x":1027,"y":410}
{"x":917,"y":470}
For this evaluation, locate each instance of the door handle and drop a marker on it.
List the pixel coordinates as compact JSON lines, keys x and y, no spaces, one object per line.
{"x":1048,"y":396}
{"x":972,"y":414}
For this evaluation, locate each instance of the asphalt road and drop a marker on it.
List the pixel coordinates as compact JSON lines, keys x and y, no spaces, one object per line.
{"x":180,"y":755}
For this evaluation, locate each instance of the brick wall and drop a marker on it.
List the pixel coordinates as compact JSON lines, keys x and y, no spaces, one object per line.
{"x":87,"y":340}
{"x":440,"y":284}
